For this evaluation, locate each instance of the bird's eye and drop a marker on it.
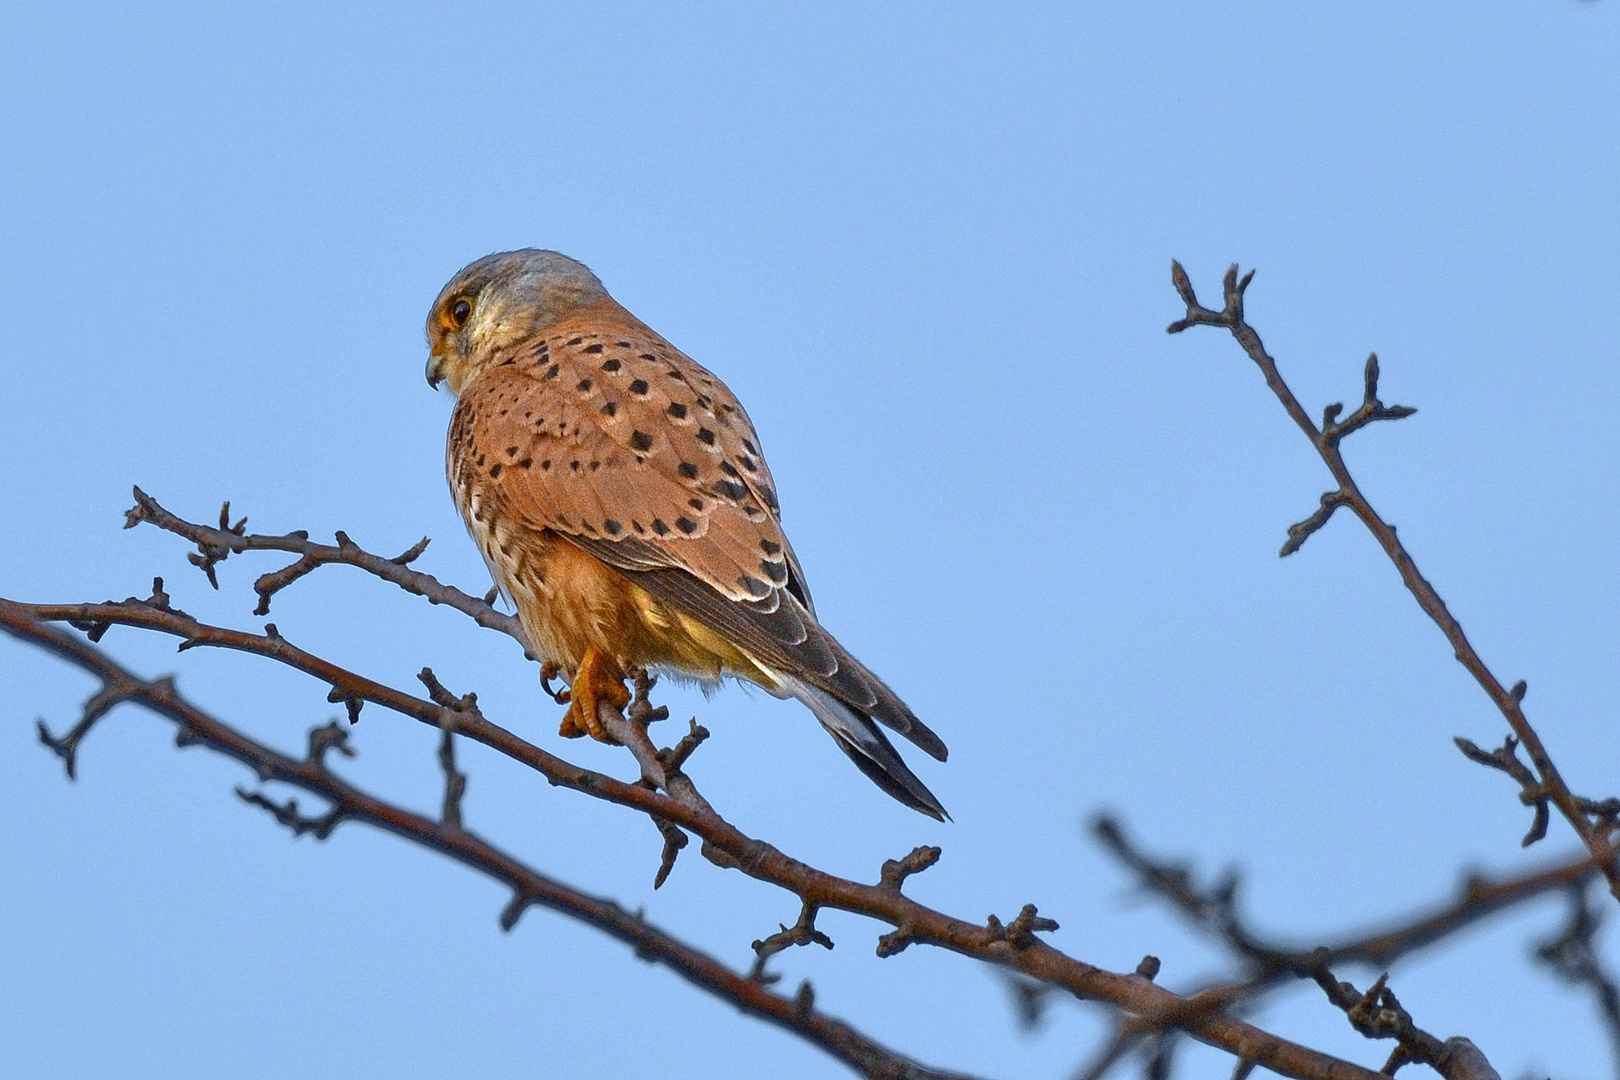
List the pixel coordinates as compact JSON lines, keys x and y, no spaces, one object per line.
{"x":460,"y":312}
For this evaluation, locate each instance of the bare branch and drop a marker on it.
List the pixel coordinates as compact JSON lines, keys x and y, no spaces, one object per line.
{"x":214,"y":545}
{"x":1378,"y":1014}
{"x":529,"y":886}
{"x":1596,"y":837}
{"x":803,"y":932}
{"x":1573,"y":955}
{"x":1013,"y":946}
{"x":1213,"y":909}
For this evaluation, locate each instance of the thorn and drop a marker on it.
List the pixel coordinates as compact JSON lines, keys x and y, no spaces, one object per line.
{"x":1520,"y":688}
{"x":1148,"y":968}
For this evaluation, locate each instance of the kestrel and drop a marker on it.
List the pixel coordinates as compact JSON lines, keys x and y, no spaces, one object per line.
{"x":619,"y":496}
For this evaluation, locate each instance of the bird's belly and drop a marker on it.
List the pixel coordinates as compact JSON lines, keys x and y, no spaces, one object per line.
{"x":569,"y":600}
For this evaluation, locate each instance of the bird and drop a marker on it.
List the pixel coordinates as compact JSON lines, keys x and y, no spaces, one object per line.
{"x":617,"y":492}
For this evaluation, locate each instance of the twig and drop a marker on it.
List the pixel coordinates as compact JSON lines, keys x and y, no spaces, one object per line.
{"x":1213,"y":909}
{"x":1573,"y":955}
{"x":1378,"y":1014}
{"x":455,"y":783}
{"x":803,"y":932}
{"x":214,"y":545}
{"x":1596,"y":838}
{"x":1532,"y":792}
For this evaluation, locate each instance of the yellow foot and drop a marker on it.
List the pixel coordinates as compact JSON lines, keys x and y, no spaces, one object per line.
{"x":599,"y":679}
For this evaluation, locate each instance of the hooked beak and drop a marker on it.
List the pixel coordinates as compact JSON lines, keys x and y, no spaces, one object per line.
{"x":435,"y":370}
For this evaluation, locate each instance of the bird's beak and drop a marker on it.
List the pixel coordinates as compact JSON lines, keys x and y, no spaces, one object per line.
{"x":435,"y":370}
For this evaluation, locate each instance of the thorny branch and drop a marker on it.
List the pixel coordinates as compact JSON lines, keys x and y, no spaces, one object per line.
{"x":663,"y":792}
{"x":1547,"y":783}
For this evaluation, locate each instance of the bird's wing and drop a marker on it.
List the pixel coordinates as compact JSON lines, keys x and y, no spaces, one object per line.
{"x":608,"y":435}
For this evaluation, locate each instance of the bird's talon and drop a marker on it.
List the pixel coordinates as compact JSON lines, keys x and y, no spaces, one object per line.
{"x":598,"y":680}
{"x":550,"y":670}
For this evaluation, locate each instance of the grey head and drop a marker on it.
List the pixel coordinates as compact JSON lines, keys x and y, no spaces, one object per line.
{"x":500,"y":299}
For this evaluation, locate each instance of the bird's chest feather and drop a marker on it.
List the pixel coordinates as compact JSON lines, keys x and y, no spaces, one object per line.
{"x":566,"y":599}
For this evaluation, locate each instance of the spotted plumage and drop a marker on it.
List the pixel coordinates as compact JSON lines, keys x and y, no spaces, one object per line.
{"x":618,"y":493}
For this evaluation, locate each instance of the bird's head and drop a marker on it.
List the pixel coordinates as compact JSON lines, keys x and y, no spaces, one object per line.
{"x":501,"y":299}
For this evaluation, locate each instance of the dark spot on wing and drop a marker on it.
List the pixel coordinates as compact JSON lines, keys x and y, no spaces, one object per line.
{"x":686,"y":525}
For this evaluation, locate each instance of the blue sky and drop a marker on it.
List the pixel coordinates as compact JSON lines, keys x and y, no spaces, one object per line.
{"x":928,"y":246}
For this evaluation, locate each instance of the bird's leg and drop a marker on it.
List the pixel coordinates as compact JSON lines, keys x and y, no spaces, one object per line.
{"x":598,"y":679}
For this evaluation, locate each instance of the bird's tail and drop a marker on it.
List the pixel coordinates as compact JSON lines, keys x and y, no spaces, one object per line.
{"x":867,"y":746}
